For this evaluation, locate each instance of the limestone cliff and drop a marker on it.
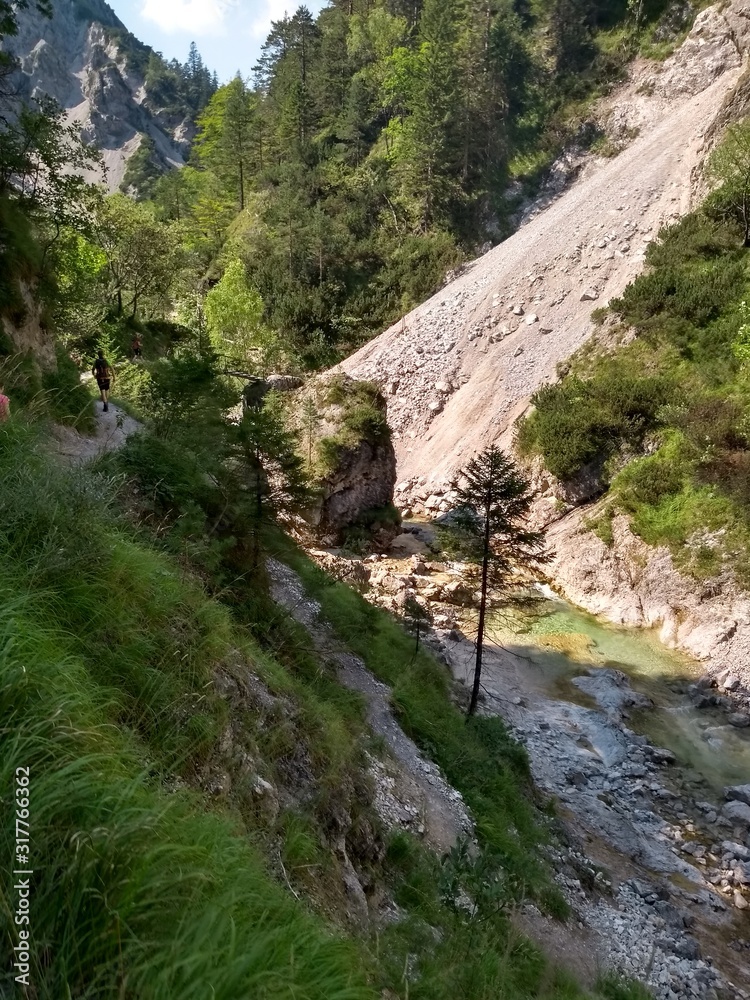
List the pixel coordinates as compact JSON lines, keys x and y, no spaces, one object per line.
{"x":85,"y":59}
{"x":631,"y":583}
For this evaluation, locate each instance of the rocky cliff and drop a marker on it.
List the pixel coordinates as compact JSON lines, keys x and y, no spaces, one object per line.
{"x":631,"y":583}
{"x":460,"y":368}
{"x":348,"y":447}
{"x":86,"y":59}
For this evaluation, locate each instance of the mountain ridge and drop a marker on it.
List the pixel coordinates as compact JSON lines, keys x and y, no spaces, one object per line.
{"x":86,"y":59}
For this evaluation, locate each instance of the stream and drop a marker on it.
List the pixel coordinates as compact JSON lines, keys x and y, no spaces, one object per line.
{"x":564,"y":642}
{"x":637,"y":773}
{"x":633,"y":755}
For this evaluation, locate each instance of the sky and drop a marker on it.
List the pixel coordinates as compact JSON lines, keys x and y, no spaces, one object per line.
{"x":228,"y":33}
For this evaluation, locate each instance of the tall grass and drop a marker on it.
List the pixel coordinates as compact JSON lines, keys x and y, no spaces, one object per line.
{"x":106,"y":657}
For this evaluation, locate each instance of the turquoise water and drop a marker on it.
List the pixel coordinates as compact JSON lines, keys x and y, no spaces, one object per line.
{"x":563,"y":642}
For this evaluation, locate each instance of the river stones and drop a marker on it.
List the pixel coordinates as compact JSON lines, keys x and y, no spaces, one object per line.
{"x":611,"y":690}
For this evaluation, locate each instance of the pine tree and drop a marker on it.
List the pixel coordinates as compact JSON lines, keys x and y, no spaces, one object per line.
{"x":492,"y":501}
{"x":424,"y":85}
{"x":416,"y":619}
{"x":228,"y":137}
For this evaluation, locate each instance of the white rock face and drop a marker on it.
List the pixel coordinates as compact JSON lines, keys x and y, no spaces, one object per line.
{"x":79,"y":61}
{"x":630,"y":583}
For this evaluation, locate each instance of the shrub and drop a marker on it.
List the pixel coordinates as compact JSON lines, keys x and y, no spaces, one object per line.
{"x":577,"y":421}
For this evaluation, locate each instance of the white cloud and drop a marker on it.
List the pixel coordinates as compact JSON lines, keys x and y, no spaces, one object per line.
{"x":196,"y":16}
{"x":274,"y":10}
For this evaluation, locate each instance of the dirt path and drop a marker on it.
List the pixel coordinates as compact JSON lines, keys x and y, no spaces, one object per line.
{"x":112,"y":431}
{"x":443,"y":813}
{"x":460,"y":368}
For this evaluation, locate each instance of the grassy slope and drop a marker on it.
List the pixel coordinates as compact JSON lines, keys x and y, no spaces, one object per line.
{"x":147,"y":887}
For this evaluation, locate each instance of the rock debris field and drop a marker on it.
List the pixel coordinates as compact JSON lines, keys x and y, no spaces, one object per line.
{"x":459,"y":369}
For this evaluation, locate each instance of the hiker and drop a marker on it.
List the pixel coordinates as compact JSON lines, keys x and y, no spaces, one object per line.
{"x":104,"y":376}
{"x":136,"y":347}
{"x":4,"y":406}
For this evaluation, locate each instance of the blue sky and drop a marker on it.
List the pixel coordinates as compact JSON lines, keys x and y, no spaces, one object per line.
{"x":229,"y":33}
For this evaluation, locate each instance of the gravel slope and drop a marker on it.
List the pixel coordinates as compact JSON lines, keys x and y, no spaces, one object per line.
{"x":460,"y":368}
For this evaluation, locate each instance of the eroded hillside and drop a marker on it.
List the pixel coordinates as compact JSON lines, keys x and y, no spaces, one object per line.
{"x":460,"y":368}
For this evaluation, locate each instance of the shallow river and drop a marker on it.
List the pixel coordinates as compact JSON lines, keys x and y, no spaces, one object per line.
{"x":564,"y":642}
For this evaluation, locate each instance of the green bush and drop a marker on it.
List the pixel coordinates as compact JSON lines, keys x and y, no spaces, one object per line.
{"x":20,"y":259}
{"x":576,"y":421}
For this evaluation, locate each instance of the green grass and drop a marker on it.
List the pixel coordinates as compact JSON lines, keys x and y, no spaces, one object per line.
{"x":107,"y":654}
{"x":157,"y":872}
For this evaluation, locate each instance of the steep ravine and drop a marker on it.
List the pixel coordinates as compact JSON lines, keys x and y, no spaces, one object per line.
{"x":637,"y":771}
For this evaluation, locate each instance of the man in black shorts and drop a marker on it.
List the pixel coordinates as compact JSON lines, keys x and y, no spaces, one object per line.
{"x":104,"y":376}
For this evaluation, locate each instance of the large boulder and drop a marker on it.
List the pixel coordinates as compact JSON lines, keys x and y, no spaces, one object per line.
{"x":346,"y":440}
{"x":257,"y":388}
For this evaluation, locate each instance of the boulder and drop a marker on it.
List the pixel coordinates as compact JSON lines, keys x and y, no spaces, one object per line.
{"x":736,"y":813}
{"x":590,"y":295}
{"x":740,"y":720}
{"x":355,"y":459}
{"x":738,"y":793}
{"x":738,"y":851}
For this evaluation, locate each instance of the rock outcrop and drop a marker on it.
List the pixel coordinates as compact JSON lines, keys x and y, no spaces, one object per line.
{"x":459,"y":369}
{"x":85,"y":59}
{"x":347,"y":442}
{"x":27,"y":333}
{"x":632,"y":583}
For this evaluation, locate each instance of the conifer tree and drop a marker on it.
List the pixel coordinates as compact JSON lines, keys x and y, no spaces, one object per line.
{"x":492,"y":501}
{"x":277,"y":484}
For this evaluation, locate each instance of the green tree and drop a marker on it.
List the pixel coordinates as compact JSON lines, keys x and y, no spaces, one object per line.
{"x":234,"y":317}
{"x":309,"y":422}
{"x":43,"y":166}
{"x":417,"y":619}
{"x":277,"y":484}
{"x":729,"y":166}
{"x":230,"y":137}
{"x":492,"y":502}
{"x":144,"y":256}
{"x":422,"y":91}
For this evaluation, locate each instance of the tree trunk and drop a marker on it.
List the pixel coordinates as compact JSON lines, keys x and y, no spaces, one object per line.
{"x":482,"y":615}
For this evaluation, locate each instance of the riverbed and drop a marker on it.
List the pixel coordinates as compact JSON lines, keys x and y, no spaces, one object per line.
{"x":562,"y":642}
{"x":637,"y":774}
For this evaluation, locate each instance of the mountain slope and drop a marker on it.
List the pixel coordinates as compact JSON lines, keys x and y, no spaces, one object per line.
{"x":460,"y":368}
{"x":86,"y":59}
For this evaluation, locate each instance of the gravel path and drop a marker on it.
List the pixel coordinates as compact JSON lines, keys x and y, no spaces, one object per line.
{"x":460,"y":368}
{"x":112,"y":431}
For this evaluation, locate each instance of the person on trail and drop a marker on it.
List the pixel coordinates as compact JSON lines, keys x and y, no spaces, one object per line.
{"x":4,"y":406}
{"x":104,"y":376}
{"x":136,"y":347}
